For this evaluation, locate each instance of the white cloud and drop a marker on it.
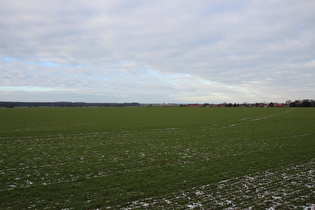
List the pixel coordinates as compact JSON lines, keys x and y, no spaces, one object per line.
{"x":159,"y":51}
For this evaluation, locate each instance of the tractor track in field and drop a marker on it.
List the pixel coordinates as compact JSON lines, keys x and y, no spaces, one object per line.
{"x":256,"y":118}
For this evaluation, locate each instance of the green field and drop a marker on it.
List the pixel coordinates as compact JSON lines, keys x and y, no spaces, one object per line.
{"x":157,"y":157}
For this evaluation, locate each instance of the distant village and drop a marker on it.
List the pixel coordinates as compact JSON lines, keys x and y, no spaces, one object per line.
{"x":289,"y":103}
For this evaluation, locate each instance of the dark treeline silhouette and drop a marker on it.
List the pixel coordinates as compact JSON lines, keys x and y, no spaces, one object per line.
{"x":64,"y":104}
{"x":302,"y":103}
{"x":288,"y":103}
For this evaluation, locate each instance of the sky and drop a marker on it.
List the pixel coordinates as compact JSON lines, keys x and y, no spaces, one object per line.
{"x":179,"y":51}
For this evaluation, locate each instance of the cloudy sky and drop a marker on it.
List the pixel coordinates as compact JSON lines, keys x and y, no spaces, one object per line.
{"x":161,"y":51}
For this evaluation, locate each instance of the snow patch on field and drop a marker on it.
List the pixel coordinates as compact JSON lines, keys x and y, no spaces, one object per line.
{"x":289,"y":187}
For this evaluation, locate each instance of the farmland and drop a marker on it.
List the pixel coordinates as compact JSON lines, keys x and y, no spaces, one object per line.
{"x":157,"y":157}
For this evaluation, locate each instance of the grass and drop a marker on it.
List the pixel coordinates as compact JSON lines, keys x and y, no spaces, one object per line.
{"x":140,"y":157}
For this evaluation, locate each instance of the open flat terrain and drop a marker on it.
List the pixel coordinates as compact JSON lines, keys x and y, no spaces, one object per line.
{"x":157,"y":157}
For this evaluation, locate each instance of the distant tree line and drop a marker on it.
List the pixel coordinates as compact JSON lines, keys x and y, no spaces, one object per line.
{"x":64,"y":104}
{"x":302,"y":103}
{"x":288,"y":103}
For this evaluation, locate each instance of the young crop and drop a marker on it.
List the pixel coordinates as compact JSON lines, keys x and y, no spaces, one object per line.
{"x":157,"y":157}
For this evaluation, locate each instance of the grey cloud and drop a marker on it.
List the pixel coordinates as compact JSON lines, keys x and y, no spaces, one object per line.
{"x":241,"y":45}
